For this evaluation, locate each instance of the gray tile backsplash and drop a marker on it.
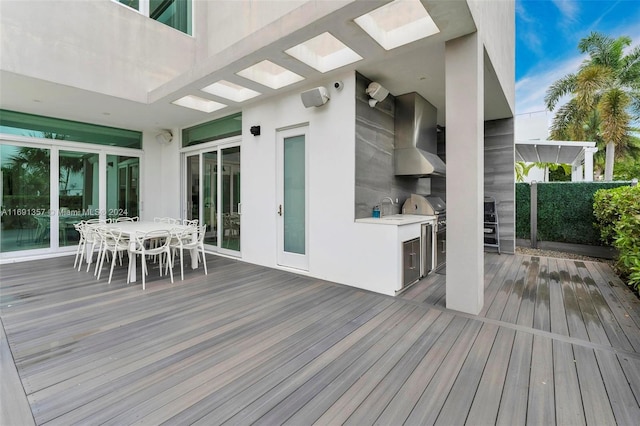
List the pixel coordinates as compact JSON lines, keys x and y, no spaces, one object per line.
{"x":375,"y":178}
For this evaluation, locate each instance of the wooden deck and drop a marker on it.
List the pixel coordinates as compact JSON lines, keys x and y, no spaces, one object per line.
{"x":557,"y":343}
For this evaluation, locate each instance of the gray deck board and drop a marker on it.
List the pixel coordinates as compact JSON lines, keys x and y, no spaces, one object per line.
{"x":596,"y":404}
{"x":515,"y":393}
{"x":541,"y":403}
{"x":484,"y":409}
{"x":556,"y":343}
{"x":568,"y":403}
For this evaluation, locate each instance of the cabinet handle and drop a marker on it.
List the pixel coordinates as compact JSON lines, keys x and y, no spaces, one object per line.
{"x":411,"y":257}
{"x":280,"y":210}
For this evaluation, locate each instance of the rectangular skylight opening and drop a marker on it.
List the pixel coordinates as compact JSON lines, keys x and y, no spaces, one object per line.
{"x":398,"y":23}
{"x":234,"y":92}
{"x":197,"y":103}
{"x":324,"y":53}
{"x":269,"y":74}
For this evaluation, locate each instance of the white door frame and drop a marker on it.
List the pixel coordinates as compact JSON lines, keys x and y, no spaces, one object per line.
{"x":199,"y":151}
{"x":287,"y":259}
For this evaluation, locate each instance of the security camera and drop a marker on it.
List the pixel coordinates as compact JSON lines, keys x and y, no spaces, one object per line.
{"x":338,"y":85}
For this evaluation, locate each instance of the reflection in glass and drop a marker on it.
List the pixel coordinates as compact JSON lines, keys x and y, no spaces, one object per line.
{"x":193,"y":187}
{"x":78,"y":193}
{"x":123,"y":186}
{"x":231,"y":198}
{"x":25,"y":198}
{"x":294,"y":195}
{"x":174,"y":13}
{"x":210,"y":197}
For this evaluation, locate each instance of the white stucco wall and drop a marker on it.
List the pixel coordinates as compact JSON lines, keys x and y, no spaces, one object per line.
{"x":56,"y":34}
{"x":495,"y":21}
{"x":225,"y":28}
{"x":161,"y":177}
{"x":532,"y":126}
{"x":339,"y":249}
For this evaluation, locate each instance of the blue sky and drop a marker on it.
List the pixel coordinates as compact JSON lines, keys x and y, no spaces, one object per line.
{"x":547,"y":37}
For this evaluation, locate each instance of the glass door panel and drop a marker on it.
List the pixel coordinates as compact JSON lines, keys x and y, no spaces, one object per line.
{"x":25,"y":198}
{"x":78,"y":193}
{"x":123,"y":186}
{"x":294,"y":195}
{"x":231,"y":198}
{"x":292,"y":199}
{"x":213,"y":180}
{"x":210,"y":197}
{"x":193,"y":187}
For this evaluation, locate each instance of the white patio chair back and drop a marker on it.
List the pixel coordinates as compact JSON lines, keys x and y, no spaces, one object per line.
{"x":150,"y":244}
{"x":169,"y":220}
{"x":79,"y":227}
{"x":127,"y":219}
{"x":112,"y":242}
{"x":190,"y":222}
{"x":91,"y":236}
{"x":191,"y":238}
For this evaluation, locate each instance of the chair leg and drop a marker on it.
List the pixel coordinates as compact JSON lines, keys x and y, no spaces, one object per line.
{"x":144,"y":270}
{"x":170,"y":266}
{"x":81,"y":257}
{"x":75,"y":261}
{"x":90,"y":255}
{"x":204,"y":262}
{"x":113,"y":262}
{"x":99,"y":263}
{"x":181,"y":265}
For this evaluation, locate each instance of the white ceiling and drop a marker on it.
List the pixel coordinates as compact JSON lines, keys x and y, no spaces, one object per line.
{"x":416,"y":67}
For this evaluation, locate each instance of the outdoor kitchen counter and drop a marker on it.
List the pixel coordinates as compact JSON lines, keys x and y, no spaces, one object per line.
{"x":397,"y":219}
{"x":383,"y":248}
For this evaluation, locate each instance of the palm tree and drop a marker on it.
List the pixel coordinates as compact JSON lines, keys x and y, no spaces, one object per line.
{"x":604,"y":97}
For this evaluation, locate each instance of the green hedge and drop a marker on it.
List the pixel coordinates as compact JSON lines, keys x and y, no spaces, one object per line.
{"x":565,"y":211}
{"x":617,"y":212}
{"x":523,"y":210}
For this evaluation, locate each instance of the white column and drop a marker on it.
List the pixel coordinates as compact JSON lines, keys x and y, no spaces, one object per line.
{"x":465,"y":173}
{"x":576,"y":173}
{"x":588,"y":163}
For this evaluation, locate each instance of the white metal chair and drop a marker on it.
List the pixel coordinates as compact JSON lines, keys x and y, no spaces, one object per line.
{"x":169,"y":220}
{"x":81,"y":242}
{"x":189,"y":239}
{"x":190,"y":222}
{"x":113,"y":242}
{"x":127,"y":219}
{"x":150,"y":244}
{"x":91,"y":237}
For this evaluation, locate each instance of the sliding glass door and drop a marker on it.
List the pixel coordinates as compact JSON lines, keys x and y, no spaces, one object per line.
{"x":48,"y":188}
{"x":26,"y":198}
{"x":212,"y":188}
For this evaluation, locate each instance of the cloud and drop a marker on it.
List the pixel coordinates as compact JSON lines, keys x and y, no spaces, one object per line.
{"x":530,"y":89}
{"x":568,"y":8}
{"x":530,"y":34}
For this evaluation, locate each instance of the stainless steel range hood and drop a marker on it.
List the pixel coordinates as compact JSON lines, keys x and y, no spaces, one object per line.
{"x":415,"y":138}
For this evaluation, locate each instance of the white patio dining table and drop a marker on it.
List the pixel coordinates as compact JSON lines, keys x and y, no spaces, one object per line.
{"x":130,"y":229}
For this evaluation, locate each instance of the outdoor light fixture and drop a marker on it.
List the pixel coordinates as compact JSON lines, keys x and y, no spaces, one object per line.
{"x":377,"y":93}
{"x":255,"y":130}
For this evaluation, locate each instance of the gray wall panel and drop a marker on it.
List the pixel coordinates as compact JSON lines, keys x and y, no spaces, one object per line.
{"x":375,"y":178}
{"x":499,"y":179}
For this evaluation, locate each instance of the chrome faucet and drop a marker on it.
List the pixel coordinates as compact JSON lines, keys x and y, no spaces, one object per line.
{"x":382,"y":209}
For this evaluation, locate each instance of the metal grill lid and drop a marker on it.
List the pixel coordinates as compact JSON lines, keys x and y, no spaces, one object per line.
{"x":424,"y":205}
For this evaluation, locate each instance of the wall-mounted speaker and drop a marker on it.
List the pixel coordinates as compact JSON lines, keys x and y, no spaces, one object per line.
{"x":164,"y":137}
{"x":315,"y":97}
